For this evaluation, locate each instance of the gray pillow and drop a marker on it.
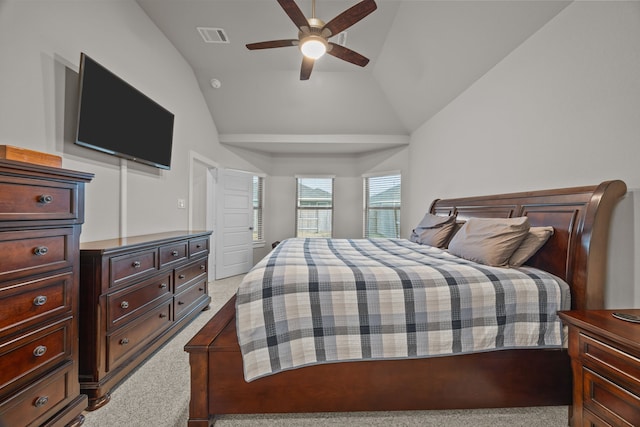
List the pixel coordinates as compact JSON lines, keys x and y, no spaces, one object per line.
{"x":489,"y":241}
{"x":534,"y":240}
{"x":433,"y":230}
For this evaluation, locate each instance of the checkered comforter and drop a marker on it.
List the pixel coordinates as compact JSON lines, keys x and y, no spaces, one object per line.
{"x":327,"y":300}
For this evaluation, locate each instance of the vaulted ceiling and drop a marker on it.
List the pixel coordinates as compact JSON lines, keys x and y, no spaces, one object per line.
{"x":423,"y":54}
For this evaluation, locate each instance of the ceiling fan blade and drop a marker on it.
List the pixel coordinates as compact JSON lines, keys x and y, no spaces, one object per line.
{"x":293,"y":11}
{"x":347,"y":54}
{"x":272,"y":43}
{"x":307,"y":66}
{"x":350,"y":17}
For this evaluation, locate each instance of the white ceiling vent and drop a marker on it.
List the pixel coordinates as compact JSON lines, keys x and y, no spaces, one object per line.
{"x":342,"y":39}
{"x":213,"y":35}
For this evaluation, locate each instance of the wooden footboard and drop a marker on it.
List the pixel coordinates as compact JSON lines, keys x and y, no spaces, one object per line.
{"x":199,"y":349}
{"x":508,"y":378}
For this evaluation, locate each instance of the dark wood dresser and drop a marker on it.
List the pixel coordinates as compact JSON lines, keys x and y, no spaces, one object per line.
{"x":605,"y":356}
{"x":136,"y":293}
{"x":41,"y":213}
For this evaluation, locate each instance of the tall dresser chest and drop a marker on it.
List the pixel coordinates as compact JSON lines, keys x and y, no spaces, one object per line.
{"x":41,"y":213}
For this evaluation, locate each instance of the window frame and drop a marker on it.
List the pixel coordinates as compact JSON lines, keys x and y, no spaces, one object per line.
{"x":298,"y":208}
{"x":366,"y":202}
{"x":259,"y":226}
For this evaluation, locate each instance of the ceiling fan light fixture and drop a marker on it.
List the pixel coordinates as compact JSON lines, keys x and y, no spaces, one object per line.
{"x":313,"y":46}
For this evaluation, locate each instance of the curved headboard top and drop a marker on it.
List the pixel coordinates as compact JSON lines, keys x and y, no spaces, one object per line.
{"x":580,"y":217}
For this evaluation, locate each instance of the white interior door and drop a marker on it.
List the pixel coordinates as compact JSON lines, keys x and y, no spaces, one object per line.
{"x":234,"y":240}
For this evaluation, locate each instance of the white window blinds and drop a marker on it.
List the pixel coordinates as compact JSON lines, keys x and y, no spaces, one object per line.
{"x":314,"y":207}
{"x":382,"y":206}
{"x":258,"y":201}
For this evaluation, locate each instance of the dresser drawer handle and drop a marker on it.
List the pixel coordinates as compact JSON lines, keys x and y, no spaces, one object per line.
{"x":182,"y":276}
{"x":136,"y":264}
{"x":163,"y":315}
{"x":201,"y":289}
{"x":198,"y":246}
{"x":41,"y":401}
{"x":39,"y":351}
{"x":174,"y":253}
{"x":40,"y":300}
{"x":40,"y":250}
{"x":45,"y":199}
{"x":180,"y":303}
{"x":163,"y":286}
{"x":202,"y":267}
{"x":124,"y":341}
{"x":124,"y":304}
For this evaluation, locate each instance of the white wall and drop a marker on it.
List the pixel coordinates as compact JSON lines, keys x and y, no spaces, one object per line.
{"x":280,"y":189}
{"x":561,"y":110}
{"x":40,"y":45}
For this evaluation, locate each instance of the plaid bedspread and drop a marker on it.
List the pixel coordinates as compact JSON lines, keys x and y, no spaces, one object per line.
{"x":327,"y":300}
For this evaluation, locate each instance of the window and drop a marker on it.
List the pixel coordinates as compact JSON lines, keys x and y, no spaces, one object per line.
{"x":382,"y":206}
{"x":314,"y":207}
{"x":258,"y":200}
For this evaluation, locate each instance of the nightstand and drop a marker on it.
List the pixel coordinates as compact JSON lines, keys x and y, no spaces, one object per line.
{"x":605,"y":359}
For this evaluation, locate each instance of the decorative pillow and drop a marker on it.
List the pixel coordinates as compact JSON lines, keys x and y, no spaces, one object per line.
{"x":489,"y":241}
{"x":456,"y":227}
{"x":534,"y":240}
{"x":433,"y":230}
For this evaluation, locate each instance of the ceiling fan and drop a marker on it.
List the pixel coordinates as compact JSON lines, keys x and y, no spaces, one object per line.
{"x":314,"y":34}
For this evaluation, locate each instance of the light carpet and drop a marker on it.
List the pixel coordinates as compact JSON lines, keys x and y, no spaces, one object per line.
{"x":157,"y":395}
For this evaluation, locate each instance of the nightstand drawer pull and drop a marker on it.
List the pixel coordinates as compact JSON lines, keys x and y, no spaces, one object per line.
{"x":163,"y":315}
{"x":124,"y":341}
{"x":202,"y":267}
{"x":174,"y":253}
{"x":201,"y":289}
{"x":182,"y":276}
{"x":136,"y":264}
{"x":40,"y":300}
{"x":124,"y":304}
{"x":40,"y":250}
{"x":39,"y":351}
{"x":45,"y":199}
{"x":41,"y":401}
{"x":163,"y":286}
{"x":180,"y":303}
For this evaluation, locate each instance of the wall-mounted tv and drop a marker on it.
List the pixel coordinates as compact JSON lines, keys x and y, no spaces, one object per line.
{"x":116,"y":118}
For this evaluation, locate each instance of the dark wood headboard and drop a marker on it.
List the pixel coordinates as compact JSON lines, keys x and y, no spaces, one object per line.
{"x":580,"y":216}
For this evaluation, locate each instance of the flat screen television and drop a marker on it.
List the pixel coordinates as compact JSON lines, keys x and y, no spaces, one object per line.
{"x":116,"y":118}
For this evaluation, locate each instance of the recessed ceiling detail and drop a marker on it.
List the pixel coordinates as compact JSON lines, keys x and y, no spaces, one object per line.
{"x":213,"y":35}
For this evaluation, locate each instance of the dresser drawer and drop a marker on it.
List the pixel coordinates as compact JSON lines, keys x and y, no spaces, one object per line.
{"x":186,"y":298}
{"x":189,"y":272}
{"x":126,"y":341}
{"x":173,"y":253}
{"x":24,"y":199}
{"x":198,"y":247}
{"x":132,"y":301}
{"x":610,"y":361}
{"x":39,"y":401}
{"x":126,"y":267}
{"x":24,"y":304}
{"x":35,"y":251}
{"x":35,"y":352}
{"x":609,"y":401}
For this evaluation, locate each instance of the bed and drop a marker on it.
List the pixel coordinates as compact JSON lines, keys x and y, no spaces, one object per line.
{"x":575,"y":253}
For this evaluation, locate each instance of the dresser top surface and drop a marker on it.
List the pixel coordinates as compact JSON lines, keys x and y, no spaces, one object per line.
{"x":602,"y":322}
{"x":141,"y":240}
